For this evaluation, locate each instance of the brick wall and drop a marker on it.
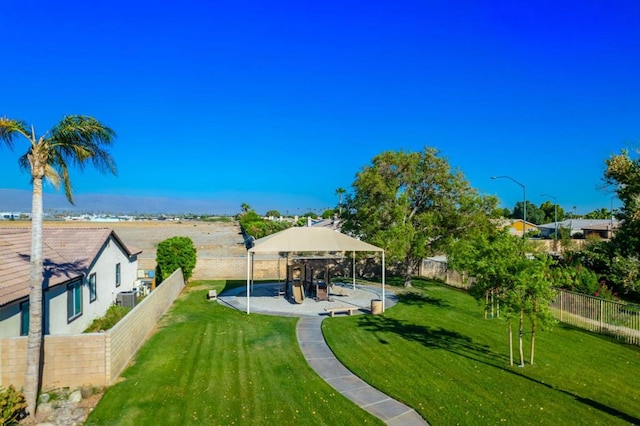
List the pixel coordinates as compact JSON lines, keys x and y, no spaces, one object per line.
{"x":93,"y":358}
{"x":70,"y":361}
{"x":126,"y":337}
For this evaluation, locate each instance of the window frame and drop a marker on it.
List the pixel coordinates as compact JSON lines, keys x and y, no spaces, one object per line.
{"x":24,"y":318}
{"x":74,"y":300}
{"x":118,"y":275}
{"x":93,"y":287}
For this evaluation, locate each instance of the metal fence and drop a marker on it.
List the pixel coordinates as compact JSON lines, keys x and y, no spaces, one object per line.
{"x":620,"y":320}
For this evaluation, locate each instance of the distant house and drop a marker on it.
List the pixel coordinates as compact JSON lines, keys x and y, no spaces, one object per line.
{"x":84,"y":270}
{"x":515,"y":226}
{"x":14,"y":216}
{"x":605,"y":228}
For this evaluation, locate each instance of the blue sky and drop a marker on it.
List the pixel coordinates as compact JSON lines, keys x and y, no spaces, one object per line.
{"x":277,"y":104}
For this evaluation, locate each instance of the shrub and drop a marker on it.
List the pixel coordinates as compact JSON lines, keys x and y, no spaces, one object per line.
{"x":174,"y":253}
{"x":12,"y":406}
{"x":114,"y":314}
{"x":257,"y":227}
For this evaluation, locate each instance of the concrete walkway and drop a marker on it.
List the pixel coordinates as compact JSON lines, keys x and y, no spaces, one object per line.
{"x":317,"y":352}
{"x":323,"y":361}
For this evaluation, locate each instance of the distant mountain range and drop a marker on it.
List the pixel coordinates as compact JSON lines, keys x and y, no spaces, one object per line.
{"x":17,"y":200}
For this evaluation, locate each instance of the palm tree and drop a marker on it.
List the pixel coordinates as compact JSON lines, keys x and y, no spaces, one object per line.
{"x":75,"y":140}
{"x":339,"y":192}
{"x":245,"y":207}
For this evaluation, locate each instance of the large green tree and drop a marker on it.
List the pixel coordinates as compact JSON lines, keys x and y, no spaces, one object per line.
{"x":550,"y":211}
{"x":414,"y":205}
{"x":74,"y":141}
{"x":534,"y":214}
{"x":622,"y":258}
{"x":623,"y":175}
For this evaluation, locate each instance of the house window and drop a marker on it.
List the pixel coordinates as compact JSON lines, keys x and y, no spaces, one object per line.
{"x":74,"y":300}
{"x":117,"y":275}
{"x":92,"y":288}
{"x":24,"y":318}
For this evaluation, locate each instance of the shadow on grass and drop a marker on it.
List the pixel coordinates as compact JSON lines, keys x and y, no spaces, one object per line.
{"x":439,"y":338}
{"x":436,"y":338}
{"x":587,"y":401}
{"x":417,"y":299}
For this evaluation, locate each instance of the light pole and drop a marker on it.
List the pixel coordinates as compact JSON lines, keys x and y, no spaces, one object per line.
{"x":611,"y":220}
{"x":524,"y":200}
{"x":555,"y":216}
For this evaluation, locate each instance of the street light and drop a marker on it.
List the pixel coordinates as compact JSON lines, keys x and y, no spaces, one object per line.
{"x":555,"y":214}
{"x":524,"y":199}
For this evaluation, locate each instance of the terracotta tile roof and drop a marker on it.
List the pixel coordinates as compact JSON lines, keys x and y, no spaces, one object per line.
{"x":67,"y":254}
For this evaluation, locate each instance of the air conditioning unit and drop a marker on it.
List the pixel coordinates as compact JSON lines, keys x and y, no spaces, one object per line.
{"x":126,"y":299}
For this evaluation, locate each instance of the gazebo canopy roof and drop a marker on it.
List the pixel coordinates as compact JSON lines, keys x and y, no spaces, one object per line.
{"x":310,"y":239}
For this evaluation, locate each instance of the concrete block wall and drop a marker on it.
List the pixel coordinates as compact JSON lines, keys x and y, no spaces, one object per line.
{"x":222,"y":268}
{"x":69,"y":361}
{"x":95,"y":359}
{"x":74,"y":360}
{"x":437,"y":270}
{"x":13,"y":361}
{"x":126,"y":337}
{"x":264,"y":267}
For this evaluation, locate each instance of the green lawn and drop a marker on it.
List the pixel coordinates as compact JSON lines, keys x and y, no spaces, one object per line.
{"x":209,"y":364}
{"x":435,"y":352}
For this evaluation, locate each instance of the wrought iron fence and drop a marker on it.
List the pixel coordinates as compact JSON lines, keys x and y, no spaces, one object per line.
{"x":620,"y":320}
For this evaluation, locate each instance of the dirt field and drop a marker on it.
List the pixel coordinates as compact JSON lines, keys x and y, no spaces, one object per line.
{"x":211,"y":239}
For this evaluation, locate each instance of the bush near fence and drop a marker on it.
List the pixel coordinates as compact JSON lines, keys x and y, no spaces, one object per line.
{"x":95,"y":359}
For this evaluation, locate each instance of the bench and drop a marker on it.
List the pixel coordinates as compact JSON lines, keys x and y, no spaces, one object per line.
{"x":346,"y":309}
{"x":212,"y":295}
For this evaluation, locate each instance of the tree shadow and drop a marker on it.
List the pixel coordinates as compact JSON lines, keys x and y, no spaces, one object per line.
{"x":53,"y":269}
{"x":454,"y":342}
{"x":430,"y":337}
{"x":587,"y":401}
{"x":415,"y":298}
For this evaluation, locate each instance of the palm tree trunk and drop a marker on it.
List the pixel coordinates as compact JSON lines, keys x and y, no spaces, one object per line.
{"x":34,"y":341}
{"x":520,"y":334}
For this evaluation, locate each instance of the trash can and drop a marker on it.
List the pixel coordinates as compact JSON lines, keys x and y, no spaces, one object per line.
{"x":376,"y":306}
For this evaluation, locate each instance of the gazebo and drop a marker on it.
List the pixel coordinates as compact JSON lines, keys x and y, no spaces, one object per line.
{"x":309,"y":239}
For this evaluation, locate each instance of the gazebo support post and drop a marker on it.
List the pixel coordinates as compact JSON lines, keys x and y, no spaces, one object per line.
{"x":383,"y":283}
{"x":353,"y":268}
{"x":249,"y":258}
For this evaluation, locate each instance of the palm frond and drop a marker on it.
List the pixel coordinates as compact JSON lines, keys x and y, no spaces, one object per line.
{"x":52,"y":176}
{"x":23,"y":161}
{"x":80,"y":138}
{"x":68,"y":191}
{"x":10,"y":129}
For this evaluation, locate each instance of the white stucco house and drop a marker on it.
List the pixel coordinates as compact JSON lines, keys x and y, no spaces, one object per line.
{"x":84,"y":271}
{"x":604,"y":228}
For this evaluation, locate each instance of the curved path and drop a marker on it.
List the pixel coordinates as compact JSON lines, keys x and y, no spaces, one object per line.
{"x":323,"y":361}
{"x":320,"y":357}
